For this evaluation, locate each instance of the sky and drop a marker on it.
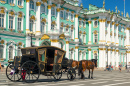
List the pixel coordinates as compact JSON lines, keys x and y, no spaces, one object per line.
{"x":109,"y":4}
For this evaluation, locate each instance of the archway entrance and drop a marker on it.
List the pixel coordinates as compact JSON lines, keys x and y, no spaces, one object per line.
{"x":45,"y":43}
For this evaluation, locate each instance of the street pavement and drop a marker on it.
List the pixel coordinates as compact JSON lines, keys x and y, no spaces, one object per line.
{"x":101,"y":78}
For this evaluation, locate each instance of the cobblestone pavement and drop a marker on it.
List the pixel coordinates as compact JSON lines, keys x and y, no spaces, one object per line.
{"x":101,"y":78}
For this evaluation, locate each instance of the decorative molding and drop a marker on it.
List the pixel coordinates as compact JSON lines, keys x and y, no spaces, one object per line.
{"x":76,"y":15}
{"x":113,"y":23}
{"x":76,"y":47}
{"x":54,"y":40}
{"x":102,"y":48}
{"x":38,"y":3}
{"x":89,"y":49}
{"x":58,"y":9}
{"x":89,"y":22}
{"x":108,"y":22}
{"x":27,"y":0}
{"x":67,"y":42}
{"x":45,"y":36}
{"x":49,"y":6}
{"x":117,"y":24}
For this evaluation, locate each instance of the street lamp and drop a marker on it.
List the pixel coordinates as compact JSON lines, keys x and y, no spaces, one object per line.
{"x":31,"y":34}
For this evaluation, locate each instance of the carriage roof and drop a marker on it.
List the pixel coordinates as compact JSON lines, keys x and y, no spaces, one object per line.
{"x":40,"y":47}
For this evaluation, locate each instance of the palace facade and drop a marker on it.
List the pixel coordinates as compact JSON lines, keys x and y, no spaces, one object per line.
{"x":93,"y":33}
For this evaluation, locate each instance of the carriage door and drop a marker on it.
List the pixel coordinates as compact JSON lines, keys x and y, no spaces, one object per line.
{"x":42,"y":59}
{"x":58,"y":60}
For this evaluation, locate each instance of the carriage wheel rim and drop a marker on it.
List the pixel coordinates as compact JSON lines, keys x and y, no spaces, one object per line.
{"x":14,"y":76}
{"x":28,"y":76}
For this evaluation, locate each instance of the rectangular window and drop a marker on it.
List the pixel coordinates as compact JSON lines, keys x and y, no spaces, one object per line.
{"x":11,"y":1}
{"x":61,"y":29}
{"x":42,"y":27}
{"x":31,"y":4}
{"x":84,"y":24}
{"x":53,"y":11}
{"x":71,"y":34}
{"x":1,"y":20}
{"x":72,"y":16}
{"x":67,"y":15}
{"x":95,"y":38}
{"x":1,"y":51}
{"x":80,"y":23}
{"x":43,"y":8}
{"x":19,"y":52}
{"x":11,"y":18}
{"x":61,"y":14}
{"x":31,"y":25}
{"x":20,"y":2}
{"x":95,"y":23}
{"x":19,"y":23}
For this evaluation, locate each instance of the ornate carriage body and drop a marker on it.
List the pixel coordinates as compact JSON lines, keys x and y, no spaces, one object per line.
{"x":46,"y":60}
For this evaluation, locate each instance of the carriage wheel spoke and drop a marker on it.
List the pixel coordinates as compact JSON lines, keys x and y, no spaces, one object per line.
{"x":34,"y":75}
{"x":12,"y":77}
{"x":26,"y":77}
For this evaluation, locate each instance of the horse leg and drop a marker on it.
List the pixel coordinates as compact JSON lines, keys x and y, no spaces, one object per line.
{"x":89,"y":74}
{"x":92,"y":74}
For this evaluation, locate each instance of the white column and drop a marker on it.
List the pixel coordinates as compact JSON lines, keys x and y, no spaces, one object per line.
{"x":117,"y":58}
{"x":109,"y":56}
{"x":108,"y":33}
{"x":89,"y":42}
{"x":38,"y":22}
{"x":113,"y":60}
{"x":27,"y":16}
{"x":76,"y":52}
{"x":103,"y":31}
{"x":100,"y":58}
{"x":100,"y":31}
{"x":104,"y":56}
{"x":67,"y":49}
{"x":89,"y":53}
{"x":49,"y":18}
{"x":113,"y":23}
{"x":28,"y":41}
{"x":76,"y":28}
{"x":117,"y":39}
{"x":58,"y":17}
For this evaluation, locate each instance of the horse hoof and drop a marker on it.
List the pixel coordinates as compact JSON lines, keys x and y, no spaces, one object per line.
{"x":91,"y":77}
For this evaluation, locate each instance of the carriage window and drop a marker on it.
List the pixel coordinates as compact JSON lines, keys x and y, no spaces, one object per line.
{"x":27,"y":51}
{"x":32,"y":51}
{"x":59,"y":56}
{"x":41,"y":54}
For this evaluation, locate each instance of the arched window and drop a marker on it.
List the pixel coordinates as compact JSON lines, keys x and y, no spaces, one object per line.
{"x":20,"y":2}
{"x":11,"y":1}
{"x":10,"y":52}
{"x":31,"y":25}
{"x":1,"y":20}
{"x":1,"y":51}
{"x":19,"y":51}
{"x":72,"y":32}
{"x":95,"y":55}
{"x":52,"y":26}
{"x":61,"y":14}
{"x":31,"y":4}
{"x":95,"y":38}
{"x":95,"y":23}
{"x":43,"y":8}
{"x":53,"y":11}
{"x":42,"y":27}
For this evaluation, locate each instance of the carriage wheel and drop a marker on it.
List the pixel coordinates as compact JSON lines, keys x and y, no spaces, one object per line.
{"x":71,"y":74}
{"x":58,"y":75}
{"x":30,"y":72}
{"x":12,"y":73}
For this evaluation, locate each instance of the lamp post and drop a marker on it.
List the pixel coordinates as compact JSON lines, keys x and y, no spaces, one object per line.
{"x":31,"y":34}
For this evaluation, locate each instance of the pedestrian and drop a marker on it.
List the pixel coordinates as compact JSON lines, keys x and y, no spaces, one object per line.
{"x":120,"y":66}
{"x":128,"y":67}
{"x":110,"y":67}
{"x":0,"y":67}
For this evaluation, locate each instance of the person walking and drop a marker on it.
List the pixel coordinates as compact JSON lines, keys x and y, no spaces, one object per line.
{"x":110,"y":67}
{"x":0,"y":67}
{"x":120,"y":66}
{"x":128,"y":68}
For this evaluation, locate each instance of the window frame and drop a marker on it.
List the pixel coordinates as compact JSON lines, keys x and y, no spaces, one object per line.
{"x":13,"y":22}
{"x":67,"y":18}
{"x":31,"y":22}
{"x":63,"y":14}
{"x":44,"y":8}
{"x":30,"y":7}
{"x":94,"y":38}
{"x":22,"y":4}
{"x":11,"y":51}
{"x":21,"y":23}
{"x":19,"y":51}
{"x":2,"y":49}
{"x":42,"y":25}
{"x":2,"y":22}
{"x":94,"y":23}
{"x":54,"y":11}
{"x":53,"y":26}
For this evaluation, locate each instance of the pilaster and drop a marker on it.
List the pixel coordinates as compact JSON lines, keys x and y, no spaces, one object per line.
{"x":67,"y":49}
{"x":89,"y":53}
{"x":58,"y":17}
{"x":117,"y":58}
{"x":27,"y":16}
{"x":113,"y":57}
{"x":108,"y":32}
{"x":113,"y":41}
{"x":117,"y":39}
{"x":49,"y":16}
{"x":89,"y":42}
{"x":76,"y":53}
{"x":38,"y":22}
{"x":76,"y":28}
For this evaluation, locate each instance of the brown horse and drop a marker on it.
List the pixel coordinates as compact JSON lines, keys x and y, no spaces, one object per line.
{"x":83,"y":65}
